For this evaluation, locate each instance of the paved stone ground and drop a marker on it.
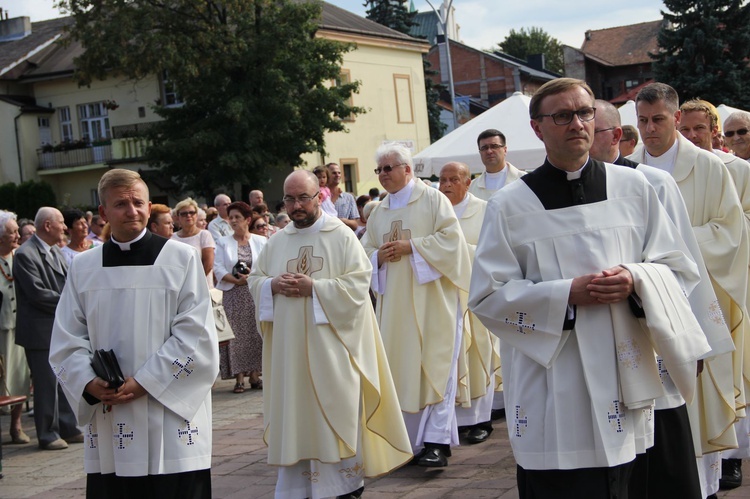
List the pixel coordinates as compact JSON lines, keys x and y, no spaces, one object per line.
{"x":239,"y":467}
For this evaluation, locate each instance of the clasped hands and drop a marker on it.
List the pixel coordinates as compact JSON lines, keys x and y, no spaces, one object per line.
{"x":292,"y":285}
{"x":609,"y":286}
{"x":128,"y":392}
{"x":393,"y":250}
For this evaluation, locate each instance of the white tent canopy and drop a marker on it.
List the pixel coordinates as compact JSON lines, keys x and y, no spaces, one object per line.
{"x":511,"y":116}
{"x":724,"y":112}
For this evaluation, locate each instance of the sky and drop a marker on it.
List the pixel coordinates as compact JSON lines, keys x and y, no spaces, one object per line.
{"x":483,"y":23}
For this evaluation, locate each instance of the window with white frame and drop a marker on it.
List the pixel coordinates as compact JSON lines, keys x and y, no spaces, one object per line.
{"x":94,"y":121}
{"x":170,"y":96}
{"x":66,"y":124}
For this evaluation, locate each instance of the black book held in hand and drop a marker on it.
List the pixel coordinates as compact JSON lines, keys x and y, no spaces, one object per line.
{"x":106,"y":367}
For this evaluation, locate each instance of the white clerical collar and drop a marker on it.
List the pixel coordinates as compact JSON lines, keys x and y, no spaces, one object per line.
{"x":315,"y":227}
{"x":494,"y":181}
{"x":460,"y":208}
{"x":126,"y":246}
{"x":572,"y":175}
{"x":401,"y":198}
{"x":665,"y":161}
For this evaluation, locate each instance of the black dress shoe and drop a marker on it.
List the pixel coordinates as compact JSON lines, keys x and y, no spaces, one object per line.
{"x":415,"y":460}
{"x":433,"y":458}
{"x":477,"y":435}
{"x":353,"y":495}
{"x":731,"y":474}
{"x":497,"y":414}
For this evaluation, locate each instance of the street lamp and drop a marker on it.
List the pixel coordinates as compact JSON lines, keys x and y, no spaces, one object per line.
{"x":444,"y":26}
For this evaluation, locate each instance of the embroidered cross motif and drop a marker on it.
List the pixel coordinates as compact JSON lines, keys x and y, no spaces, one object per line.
{"x":663,"y":373}
{"x":61,"y":374}
{"x":522,"y":322}
{"x":124,"y":435}
{"x":311,"y":475}
{"x":715,"y":314}
{"x":614,"y":416}
{"x":187,"y":431}
{"x":397,"y":233}
{"x":629,"y":354}
{"x":305,"y":263}
{"x":649,"y":413}
{"x":93,"y":436}
{"x":180,"y":367}
{"x":522,"y":421}
{"x":355,"y":471}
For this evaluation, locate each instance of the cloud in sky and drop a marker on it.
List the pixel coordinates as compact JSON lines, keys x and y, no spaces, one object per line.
{"x":484,"y":23}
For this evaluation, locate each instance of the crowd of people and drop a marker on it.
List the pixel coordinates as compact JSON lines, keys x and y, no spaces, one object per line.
{"x":597,"y":302}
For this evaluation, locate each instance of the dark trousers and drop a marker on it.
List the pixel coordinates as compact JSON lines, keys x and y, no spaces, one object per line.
{"x":590,"y":483}
{"x":188,"y":485}
{"x":668,"y":469}
{"x":53,"y":416}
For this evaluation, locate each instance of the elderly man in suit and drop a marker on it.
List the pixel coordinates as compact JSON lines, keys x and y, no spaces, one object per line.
{"x":39,"y":271}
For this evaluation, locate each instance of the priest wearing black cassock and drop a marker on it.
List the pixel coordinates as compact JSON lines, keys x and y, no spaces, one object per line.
{"x":550,"y":279}
{"x":144,"y":297}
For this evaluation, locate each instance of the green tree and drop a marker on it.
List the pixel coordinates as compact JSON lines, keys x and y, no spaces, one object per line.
{"x":255,"y":79}
{"x":32,"y":195}
{"x":704,"y":52}
{"x":395,"y":14}
{"x":523,"y":43}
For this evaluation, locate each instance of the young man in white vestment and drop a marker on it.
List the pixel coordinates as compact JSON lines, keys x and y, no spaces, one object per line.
{"x":330,"y":408}
{"x":145,"y":298}
{"x":557,"y":264}
{"x":477,"y":361}
{"x":670,"y":461}
{"x":420,"y":262}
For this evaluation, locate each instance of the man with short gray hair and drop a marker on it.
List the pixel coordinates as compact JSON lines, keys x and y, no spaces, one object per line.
{"x":219,"y":226}
{"x":736,"y":127}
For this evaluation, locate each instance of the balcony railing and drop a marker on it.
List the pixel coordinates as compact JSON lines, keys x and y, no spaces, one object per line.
{"x":74,"y":157}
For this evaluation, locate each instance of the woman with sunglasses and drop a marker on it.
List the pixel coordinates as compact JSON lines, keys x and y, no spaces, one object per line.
{"x":189,"y":233}
{"x":259,"y":226}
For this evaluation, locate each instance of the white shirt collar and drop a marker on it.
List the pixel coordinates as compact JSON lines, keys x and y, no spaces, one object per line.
{"x":460,"y":208}
{"x":401,"y":198}
{"x":665,"y":161}
{"x":46,"y":246}
{"x":316,"y":227}
{"x":126,"y":246}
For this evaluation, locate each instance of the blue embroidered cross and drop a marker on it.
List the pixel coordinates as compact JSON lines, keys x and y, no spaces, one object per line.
{"x":179,"y":368}
{"x":93,"y":437}
{"x":188,"y":432}
{"x":614,"y":417}
{"x":521,"y":322}
{"x":521,"y":420}
{"x":124,"y":432}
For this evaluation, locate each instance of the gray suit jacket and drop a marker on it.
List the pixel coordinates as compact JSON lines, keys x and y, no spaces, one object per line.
{"x":39,"y":284}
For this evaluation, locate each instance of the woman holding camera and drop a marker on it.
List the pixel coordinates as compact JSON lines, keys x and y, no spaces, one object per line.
{"x":235,"y":255}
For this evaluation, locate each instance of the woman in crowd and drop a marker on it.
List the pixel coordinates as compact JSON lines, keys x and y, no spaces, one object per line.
{"x":243,"y":354}
{"x":190,"y":233}
{"x":202,"y":223}
{"x":26,"y":229}
{"x":259,"y":225}
{"x":160,"y":222}
{"x":16,"y":380}
{"x":262,"y":210}
{"x":78,"y":229}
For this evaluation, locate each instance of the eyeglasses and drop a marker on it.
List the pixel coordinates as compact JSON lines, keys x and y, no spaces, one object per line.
{"x":604,"y":130}
{"x":387,"y":168}
{"x":741,"y":132}
{"x":187,"y":213}
{"x":303,"y":199}
{"x":487,"y":147}
{"x":565,"y":117}
{"x":261,"y":226}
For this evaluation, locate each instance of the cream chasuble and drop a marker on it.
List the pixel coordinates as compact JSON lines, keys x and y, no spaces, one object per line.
{"x":158,"y":320}
{"x":327,"y":385}
{"x":416,"y":319}
{"x":561,"y":386}
{"x":479,"y":187}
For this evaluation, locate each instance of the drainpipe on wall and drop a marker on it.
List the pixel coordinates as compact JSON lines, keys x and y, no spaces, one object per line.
{"x":18,"y":147}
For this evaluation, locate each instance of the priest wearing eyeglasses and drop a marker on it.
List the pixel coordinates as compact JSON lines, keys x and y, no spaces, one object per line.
{"x":498,"y":173}
{"x":420,"y":262}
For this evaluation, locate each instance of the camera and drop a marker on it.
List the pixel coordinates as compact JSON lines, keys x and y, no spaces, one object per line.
{"x":240,"y":268}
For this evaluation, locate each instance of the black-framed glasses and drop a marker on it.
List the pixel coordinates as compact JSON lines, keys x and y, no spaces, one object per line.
{"x":387,"y":168}
{"x":604,"y":129}
{"x":261,"y":226}
{"x":187,"y":213}
{"x":741,"y":132}
{"x":487,"y":147}
{"x":303,"y":199}
{"x":565,"y":117}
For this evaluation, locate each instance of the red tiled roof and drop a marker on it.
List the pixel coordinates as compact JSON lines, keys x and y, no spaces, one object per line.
{"x":623,"y":45}
{"x":630,"y":94}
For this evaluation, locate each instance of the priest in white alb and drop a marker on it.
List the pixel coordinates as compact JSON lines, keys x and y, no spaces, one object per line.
{"x":420,"y":262}
{"x":145,"y":298}
{"x":330,"y":408}
{"x":560,"y":256}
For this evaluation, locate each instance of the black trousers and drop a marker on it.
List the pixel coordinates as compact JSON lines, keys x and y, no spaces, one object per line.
{"x":589,"y":483}
{"x":188,"y":485}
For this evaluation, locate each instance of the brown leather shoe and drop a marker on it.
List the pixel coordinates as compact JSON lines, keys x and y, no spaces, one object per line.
{"x":58,"y":444}
{"x":75,"y":439}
